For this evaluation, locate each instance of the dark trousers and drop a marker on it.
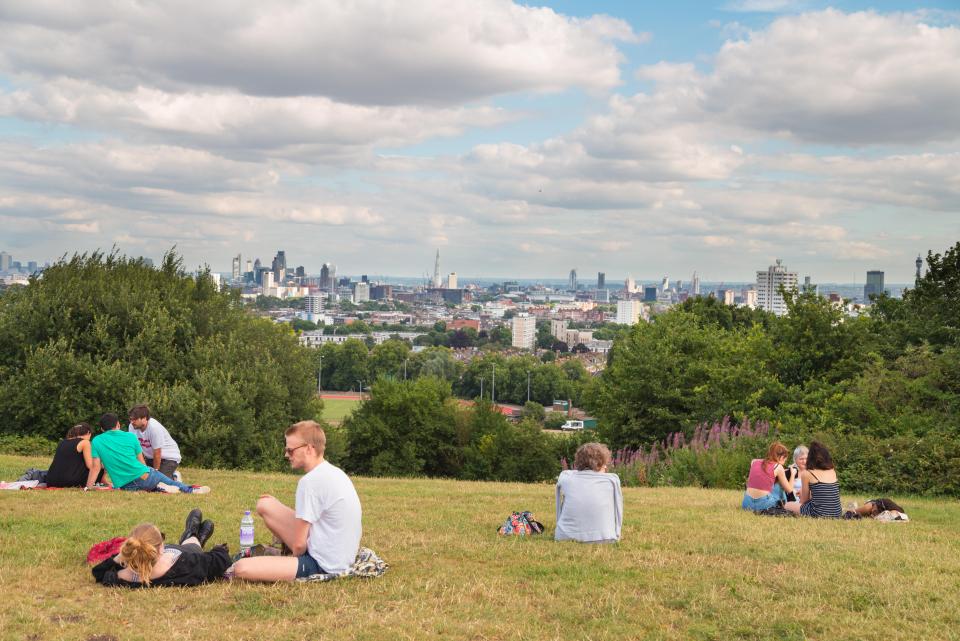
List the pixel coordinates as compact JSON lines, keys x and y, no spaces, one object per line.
{"x":168,"y":467}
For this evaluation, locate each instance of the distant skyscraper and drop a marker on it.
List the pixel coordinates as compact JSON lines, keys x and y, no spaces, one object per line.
{"x":249,"y":265}
{"x":436,"y":270}
{"x":524,"y":329}
{"x":328,"y":277}
{"x":452,"y":280}
{"x":628,"y":312}
{"x":257,"y":265}
{"x":750,"y":298}
{"x":650,"y":293}
{"x":312,"y":308}
{"x":874,"y":286}
{"x":236,"y":267}
{"x":769,"y":283}
{"x":628,"y":285}
{"x":6,"y":260}
{"x":361,"y":292}
{"x":572,"y":285}
{"x":664,"y":284}
{"x":696,"y":284}
{"x":279,"y":267}
{"x":810,"y":287}
{"x":919,"y":267}
{"x":601,"y":280}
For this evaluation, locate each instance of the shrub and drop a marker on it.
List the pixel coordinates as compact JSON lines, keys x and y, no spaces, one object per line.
{"x":26,"y":445}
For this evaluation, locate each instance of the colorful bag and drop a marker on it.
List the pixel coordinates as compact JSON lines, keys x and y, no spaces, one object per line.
{"x":520,"y":524}
{"x":105,"y":549}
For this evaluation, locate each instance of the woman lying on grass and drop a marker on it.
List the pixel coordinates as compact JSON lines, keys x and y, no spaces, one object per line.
{"x":765,"y":474}
{"x":145,"y":561}
{"x":819,"y":491}
{"x":589,"y":500}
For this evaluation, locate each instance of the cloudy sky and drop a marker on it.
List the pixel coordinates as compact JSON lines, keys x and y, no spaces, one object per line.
{"x":519,"y":140}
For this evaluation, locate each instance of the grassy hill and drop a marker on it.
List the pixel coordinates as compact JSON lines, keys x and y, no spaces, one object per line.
{"x":691,"y":566}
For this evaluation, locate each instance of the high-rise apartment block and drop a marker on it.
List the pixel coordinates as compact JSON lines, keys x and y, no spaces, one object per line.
{"x":524,"y":328}
{"x":236,"y":268}
{"x":601,"y":280}
{"x":628,"y":312}
{"x":452,"y":280}
{"x":558,"y":329}
{"x":361,"y":292}
{"x":874,"y":286}
{"x":769,"y":283}
{"x":312,"y":308}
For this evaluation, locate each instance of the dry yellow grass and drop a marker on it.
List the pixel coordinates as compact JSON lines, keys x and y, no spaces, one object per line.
{"x":691,"y":566}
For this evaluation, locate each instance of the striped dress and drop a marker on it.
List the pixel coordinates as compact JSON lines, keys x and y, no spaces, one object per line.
{"x":824,"y":500}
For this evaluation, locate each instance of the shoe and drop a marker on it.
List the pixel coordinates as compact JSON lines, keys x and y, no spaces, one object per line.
{"x":205,"y":532}
{"x":192,"y":528}
{"x":169,"y":489}
{"x":201,"y":489}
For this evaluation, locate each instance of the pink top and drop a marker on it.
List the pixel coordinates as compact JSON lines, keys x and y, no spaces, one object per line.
{"x":761,"y":475}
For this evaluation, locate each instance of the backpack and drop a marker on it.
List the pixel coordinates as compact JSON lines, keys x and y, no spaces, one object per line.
{"x":520,"y":524}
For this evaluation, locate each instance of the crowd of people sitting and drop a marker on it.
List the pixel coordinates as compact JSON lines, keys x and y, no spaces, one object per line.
{"x":321,"y":533}
{"x":142,"y":457}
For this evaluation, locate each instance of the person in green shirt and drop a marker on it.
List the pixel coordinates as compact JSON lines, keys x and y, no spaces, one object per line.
{"x":119,"y":452}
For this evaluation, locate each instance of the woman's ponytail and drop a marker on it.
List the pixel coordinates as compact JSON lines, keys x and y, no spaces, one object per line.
{"x":141,"y":550}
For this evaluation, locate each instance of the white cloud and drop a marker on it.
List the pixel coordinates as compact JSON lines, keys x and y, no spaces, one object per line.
{"x":362,"y":52}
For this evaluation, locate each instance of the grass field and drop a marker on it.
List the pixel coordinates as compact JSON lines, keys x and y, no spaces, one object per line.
{"x":691,"y":566}
{"x":337,"y":409}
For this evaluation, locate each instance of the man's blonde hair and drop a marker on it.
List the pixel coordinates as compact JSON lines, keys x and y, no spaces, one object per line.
{"x":311,"y":433}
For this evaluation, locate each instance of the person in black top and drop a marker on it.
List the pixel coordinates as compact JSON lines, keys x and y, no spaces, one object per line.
{"x":146,"y":561}
{"x":71,"y":462}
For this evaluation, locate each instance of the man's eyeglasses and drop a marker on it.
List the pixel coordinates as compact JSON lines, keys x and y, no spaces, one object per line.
{"x":290,"y":450}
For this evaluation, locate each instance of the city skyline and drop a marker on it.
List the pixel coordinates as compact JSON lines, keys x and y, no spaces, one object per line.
{"x":519,"y":140}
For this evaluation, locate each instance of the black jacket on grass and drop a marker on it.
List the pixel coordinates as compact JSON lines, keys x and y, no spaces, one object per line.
{"x":192,"y":568}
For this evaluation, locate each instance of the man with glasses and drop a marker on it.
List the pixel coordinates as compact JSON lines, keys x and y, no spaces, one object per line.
{"x":159,"y":449}
{"x":323,"y":531}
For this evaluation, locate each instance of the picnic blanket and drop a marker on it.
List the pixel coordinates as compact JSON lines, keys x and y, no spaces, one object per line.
{"x":367,"y":566}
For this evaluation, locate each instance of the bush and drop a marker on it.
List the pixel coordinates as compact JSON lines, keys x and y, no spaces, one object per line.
{"x":554,"y":420}
{"x":26,"y":445}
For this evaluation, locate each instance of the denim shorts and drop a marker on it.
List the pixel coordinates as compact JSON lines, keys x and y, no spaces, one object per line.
{"x":307,"y":566}
{"x":760,"y":504}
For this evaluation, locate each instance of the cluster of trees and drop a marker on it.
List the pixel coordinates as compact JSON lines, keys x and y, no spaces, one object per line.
{"x":883,"y":388}
{"x":417,"y":427}
{"x":439,"y":336}
{"x":345,"y":365}
{"x":99,"y":333}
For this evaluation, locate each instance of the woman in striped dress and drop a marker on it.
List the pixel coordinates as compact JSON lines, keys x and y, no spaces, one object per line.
{"x":819,"y":490}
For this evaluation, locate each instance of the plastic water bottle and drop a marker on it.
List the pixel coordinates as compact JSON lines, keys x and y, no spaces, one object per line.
{"x":246,"y":532}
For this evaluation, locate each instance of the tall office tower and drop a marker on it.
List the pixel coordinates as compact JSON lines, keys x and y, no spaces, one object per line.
{"x":628,"y":312}
{"x":249,"y":265}
{"x":628,"y":285}
{"x":750,"y":298}
{"x":364,"y":279}
{"x":919,"y":267}
{"x":572,"y":283}
{"x":696,"y":284}
{"x":524,"y":328}
{"x":452,"y":280}
{"x":810,"y":287}
{"x":301,"y":273}
{"x":769,"y":283}
{"x":279,"y":266}
{"x":326,"y":283}
{"x":650,"y":294}
{"x":436,"y":270}
{"x":312,"y":307}
{"x":874,"y":286}
{"x":601,"y":280}
{"x":32,"y":266}
{"x":6,"y":260}
{"x":664,"y":284}
{"x":361,"y":292}
{"x":266,"y":279}
{"x":236,"y":267}
{"x":257,"y":266}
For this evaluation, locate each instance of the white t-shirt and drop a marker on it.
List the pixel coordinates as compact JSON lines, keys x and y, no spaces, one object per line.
{"x":156,"y":435}
{"x":328,"y":501}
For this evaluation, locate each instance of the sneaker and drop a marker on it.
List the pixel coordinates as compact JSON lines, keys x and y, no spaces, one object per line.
{"x":201,"y":489}
{"x":177,"y":476}
{"x":169,"y":489}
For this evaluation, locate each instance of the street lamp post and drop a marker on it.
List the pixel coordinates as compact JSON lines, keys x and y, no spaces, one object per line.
{"x":405,"y":368}
{"x":361,"y":389}
{"x":481,"y":388}
{"x":528,"y":387}
{"x":320,"y":377}
{"x":493,"y":386}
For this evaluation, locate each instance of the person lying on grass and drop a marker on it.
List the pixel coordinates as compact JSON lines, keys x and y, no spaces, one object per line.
{"x":589,"y":500}
{"x":765,"y":474}
{"x":323,"y":531}
{"x":146,"y":561}
{"x":119,"y":452}
{"x":820,"y":491}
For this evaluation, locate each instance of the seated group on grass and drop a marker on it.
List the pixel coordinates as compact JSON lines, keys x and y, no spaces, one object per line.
{"x":772,"y":485}
{"x":116,"y":458}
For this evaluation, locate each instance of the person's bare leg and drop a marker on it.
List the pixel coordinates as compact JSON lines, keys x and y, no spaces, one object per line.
{"x":792,"y":506}
{"x":279,"y":519}
{"x":266,"y":568}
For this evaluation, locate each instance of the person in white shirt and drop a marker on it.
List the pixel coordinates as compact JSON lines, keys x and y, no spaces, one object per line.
{"x":589,"y":500}
{"x":323,"y":531}
{"x":160,"y":451}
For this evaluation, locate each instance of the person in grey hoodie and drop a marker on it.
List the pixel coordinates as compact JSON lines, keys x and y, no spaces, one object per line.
{"x":589,"y":500}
